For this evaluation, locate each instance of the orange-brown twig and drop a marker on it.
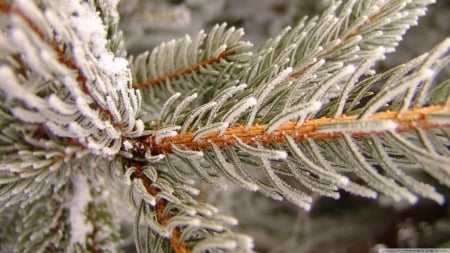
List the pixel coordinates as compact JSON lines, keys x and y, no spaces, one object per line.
{"x":180,"y":72}
{"x":160,"y":206}
{"x":408,"y":120}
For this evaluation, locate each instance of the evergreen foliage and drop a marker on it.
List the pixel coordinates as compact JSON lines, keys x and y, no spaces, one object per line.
{"x":87,"y":128}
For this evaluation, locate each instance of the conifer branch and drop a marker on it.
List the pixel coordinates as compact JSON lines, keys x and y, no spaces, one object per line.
{"x":413,"y":119}
{"x":108,"y":105}
{"x":62,"y":58}
{"x":195,"y":63}
{"x":162,"y":218}
{"x":188,"y":225}
{"x":180,"y":72}
{"x":343,"y":41}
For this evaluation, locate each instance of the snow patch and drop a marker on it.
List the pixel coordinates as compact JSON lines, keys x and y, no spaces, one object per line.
{"x":79,"y":229}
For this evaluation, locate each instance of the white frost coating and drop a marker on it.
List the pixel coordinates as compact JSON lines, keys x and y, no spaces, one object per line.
{"x":225,"y":244}
{"x":129,"y":115}
{"x":9,"y":83}
{"x":223,"y":97}
{"x":183,"y":105}
{"x":79,"y":130}
{"x":219,"y":50}
{"x":112,"y":149}
{"x":139,"y":129}
{"x":59,"y":130}
{"x":295,"y":196}
{"x":97,"y":144}
{"x":133,"y":95}
{"x":6,"y":46}
{"x":178,"y":221}
{"x":150,"y":172}
{"x":49,"y":59}
{"x":437,"y":53}
{"x":198,"y":112}
{"x":108,"y":77}
{"x":89,"y":113}
{"x":55,"y":23}
{"x":155,"y":226}
{"x":323,"y":173}
{"x":259,"y":152}
{"x":113,"y":109}
{"x":165,"y":132}
{"x":305,"y":77}
{"x":139,"y":126}
{"x":27,"y":48}
{"x":266,"y":89}
{"x":320,"y":94}
{"x":188,"y":189}
{"x":147,"y":197}
{"x":406,"y":82}
{"x":370,"y":126}
{"x":227,"y":219}
{"x":215,"y":127}
{"x":191,"y":154}
{"x":27,"y":115}
{"x":245,"y":241}
{"x":79,"y":230}
{"x":162,"y":135}
{"x":206,"y":209}
{"x":230,"y":171}
{"x":59,"y":119}
{"x":360,"y":190}
{"x":112,"y":132}
{"x":364,"y":67}
{"x":60,"y":106}
{"x":73,"y":87}
{"x":154,"y":158}
{"x":238,"y":109}
{"x":31,"y":11}
{"x":438,"y":118}
{"x":301,"y":111}
{"x":374,"y":179}
{"x":410,"y":182}
{"x":127,"y":145}
{"x":168,"y":103}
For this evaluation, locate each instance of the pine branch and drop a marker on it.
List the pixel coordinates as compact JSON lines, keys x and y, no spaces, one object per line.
{"x":191,"y":55}
{"x":171,"y":213}
{"x":344,"y":29}
{"x":162,"y":218}
{"x":178,"y":73}
{"x":62,"y":58}
{"x":108,"y":105}
{"x":379,"y":12}
{"x":200,"y":64}
{"x":39,"y":154}
{"x":216,"y":135}
{"x":315,"y":129}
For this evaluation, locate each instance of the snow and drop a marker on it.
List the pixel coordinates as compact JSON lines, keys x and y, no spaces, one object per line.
{"x":81,"y":198}
{"x":108,"y":77}
{"x":127,"y":145}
